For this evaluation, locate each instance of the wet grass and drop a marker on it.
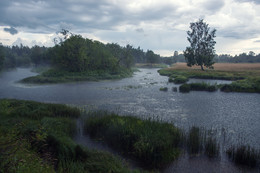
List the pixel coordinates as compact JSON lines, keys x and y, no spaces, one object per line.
{"x":198,"y":87}
{"x":178,"y":79}
{"x":244,"y":155}
{"x":58,"y":76}
{"x":163,"y":89}
{"x":245,"y":79}
{"x":37,"y":137}
{"x":152,"y":143}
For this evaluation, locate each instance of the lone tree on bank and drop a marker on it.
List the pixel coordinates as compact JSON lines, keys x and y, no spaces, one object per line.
{"x":201,"y":51}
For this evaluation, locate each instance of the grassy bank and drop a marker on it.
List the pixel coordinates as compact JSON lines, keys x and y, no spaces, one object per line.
{"x":151,"y":143}
{"x":37,"y":137}
{"x":245,"y":77}
{"x":198,"y":87}
{"x":58,"y":76}
{"x":149,"y":65}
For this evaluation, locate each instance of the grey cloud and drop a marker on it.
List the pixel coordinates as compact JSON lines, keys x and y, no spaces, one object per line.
{"x":254,"y":1}
{"x":139,"y":30}
{"x":83,"y":16}
{"x":11,"y":30}
{"x":214,"y":5}
{"x":257,"y":41}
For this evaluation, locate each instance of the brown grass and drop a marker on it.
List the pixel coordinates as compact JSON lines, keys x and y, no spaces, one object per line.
{"x":222,"y":67}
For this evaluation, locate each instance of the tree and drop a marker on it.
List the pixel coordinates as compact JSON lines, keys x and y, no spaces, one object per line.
{"x":2,"y":57}
{"x":201,"y":51}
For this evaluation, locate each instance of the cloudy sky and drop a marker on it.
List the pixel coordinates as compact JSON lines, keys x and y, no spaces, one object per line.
{"x":158,"y":25}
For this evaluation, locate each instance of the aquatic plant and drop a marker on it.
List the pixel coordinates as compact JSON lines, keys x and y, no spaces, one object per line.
{"x":153,"y":143}
{"x":163,"y":89}
{"x":244,"y":155}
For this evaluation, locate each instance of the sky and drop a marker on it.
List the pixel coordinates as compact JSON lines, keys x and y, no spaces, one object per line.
{"x":158,"y":25}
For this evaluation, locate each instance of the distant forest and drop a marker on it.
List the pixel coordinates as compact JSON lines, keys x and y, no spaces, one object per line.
{"x":99,"y":54}
{"x":96,"y":53}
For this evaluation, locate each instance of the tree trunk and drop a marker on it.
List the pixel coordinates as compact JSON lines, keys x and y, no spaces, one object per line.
{"x":201,"y":66}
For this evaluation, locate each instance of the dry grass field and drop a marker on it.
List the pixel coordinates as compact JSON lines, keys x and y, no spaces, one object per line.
{"x":222,"y":67}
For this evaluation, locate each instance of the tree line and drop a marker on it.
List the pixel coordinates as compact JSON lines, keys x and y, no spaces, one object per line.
{"x":76,"y":54}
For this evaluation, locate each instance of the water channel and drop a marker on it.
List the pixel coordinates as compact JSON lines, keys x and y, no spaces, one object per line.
{"x":235,"y":114}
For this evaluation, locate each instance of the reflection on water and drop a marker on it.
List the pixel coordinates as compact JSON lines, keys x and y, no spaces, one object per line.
{"x":236,"y":113}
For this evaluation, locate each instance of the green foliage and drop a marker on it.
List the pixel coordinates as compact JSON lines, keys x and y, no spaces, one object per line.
{"x":244,"y":155}
{"x":163,"y":89}
{"x":153,"y":143}
{"x":201,"y":51}
{"x":37,"y":137}
{"x":2,"y":57}
{"x":184,"y":88}
{"x":178,"y":79}
{"x":251,"y":85}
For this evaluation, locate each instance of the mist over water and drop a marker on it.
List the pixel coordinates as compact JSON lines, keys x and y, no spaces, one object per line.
{"x":235,"y":114}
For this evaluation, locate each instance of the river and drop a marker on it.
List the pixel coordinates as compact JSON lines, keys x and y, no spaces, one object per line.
{"x":236,"y":114}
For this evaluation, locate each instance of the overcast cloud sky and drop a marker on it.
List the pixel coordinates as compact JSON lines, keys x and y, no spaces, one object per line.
{"x":158,"y":25}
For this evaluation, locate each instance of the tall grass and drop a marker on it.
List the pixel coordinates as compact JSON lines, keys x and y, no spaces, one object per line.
{"x":244,"y":155}
{"x":37,"y":137}
{"x":154,"y":144}
{"x":198,"y":87}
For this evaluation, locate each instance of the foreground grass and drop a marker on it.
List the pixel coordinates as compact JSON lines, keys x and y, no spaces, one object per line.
{"x":245,"y":79}
{"x":37,"y":137}
{"x":151,"y":143}
{"x":58,"y":76}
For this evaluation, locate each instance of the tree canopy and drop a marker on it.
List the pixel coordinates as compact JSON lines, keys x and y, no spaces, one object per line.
{"x":201,"y":50}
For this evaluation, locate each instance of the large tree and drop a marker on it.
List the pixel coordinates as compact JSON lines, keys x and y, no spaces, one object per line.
{"x":201,"y":50}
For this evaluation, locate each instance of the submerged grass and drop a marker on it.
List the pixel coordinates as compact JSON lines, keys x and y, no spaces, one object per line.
{"x":37,"y":137}
{"x":152,"y":143}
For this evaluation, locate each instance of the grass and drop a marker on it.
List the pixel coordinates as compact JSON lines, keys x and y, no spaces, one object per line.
{"x":149,"y":65}
{"x":202,"y":141}
{"x":37,"y":137}
{"x":244,"y":155}
{"x":178,"y":79}
{"x":246,"y":77}
{"x":152,"y":143}
{"x":58,"y":76}
{"x":163,"y":89}
{"x":198,"y":87}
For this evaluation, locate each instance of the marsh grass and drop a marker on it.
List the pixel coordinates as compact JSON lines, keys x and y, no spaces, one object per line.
{"x":37,"y":137}
{"x":241,"y":74}
{"x":179,"y":79}
{"x":163,"y":89}
{"x":244,"y":155}
{"x":152,"y":143}
{"x":199,"y":140}
{"x":61,"y":76}
{"x":198,"y":87}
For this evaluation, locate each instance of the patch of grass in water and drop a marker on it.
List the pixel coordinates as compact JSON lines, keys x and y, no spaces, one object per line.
{"x":154,"y":144}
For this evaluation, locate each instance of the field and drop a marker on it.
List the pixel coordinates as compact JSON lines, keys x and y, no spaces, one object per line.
{"x":221,"y":67}
{"x":246,"y":76}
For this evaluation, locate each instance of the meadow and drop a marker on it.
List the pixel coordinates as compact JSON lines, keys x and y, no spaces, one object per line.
{"x":245,"y":76}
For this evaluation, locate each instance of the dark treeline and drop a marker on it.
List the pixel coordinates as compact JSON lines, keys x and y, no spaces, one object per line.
{"x":251,"y":57}
{"x":76,"y":54}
